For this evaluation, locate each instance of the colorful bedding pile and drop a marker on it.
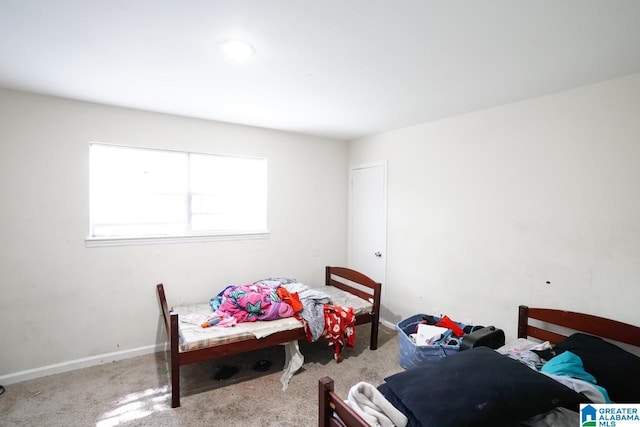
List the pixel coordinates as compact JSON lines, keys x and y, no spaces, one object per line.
{"x":278,"y":298}
{"x":252,"y":302}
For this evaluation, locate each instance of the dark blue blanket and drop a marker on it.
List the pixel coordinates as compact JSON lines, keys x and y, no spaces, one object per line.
{"x":475,"y":387}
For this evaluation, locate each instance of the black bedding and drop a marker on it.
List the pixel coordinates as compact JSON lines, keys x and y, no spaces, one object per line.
{"x":482,"y":387}
{"x":609,"y":364}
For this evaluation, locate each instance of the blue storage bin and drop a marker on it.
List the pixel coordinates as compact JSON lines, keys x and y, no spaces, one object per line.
{"x":412,"y":355}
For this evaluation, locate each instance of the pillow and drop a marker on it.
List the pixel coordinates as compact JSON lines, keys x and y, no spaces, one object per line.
{"x":614,"y":368}
{"x":476,"y":387}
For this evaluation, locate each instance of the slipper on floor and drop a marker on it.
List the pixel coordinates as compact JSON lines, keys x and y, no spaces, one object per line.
{"x":1,"y":390}
{"x":225,"y":372}
{"x":262,"y":365}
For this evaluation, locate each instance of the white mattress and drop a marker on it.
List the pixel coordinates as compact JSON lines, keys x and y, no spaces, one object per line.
{"x":193,"y":336}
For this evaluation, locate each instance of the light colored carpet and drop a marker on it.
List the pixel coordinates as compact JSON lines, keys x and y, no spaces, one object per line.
{"x":134,"y":392}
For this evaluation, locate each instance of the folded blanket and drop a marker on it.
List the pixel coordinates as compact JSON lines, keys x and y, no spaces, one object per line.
{"x":373,"y":407}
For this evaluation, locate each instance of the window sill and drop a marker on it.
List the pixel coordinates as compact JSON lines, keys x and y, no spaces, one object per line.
{"x":98,"y":242}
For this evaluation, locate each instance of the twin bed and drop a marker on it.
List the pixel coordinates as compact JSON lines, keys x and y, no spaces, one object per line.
{"x":485,"y":387}
{"x":190,"y":343}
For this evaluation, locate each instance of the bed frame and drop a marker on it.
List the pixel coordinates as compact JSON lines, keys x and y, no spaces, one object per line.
{"x":548,"y":325}
{"x":340,"y":277}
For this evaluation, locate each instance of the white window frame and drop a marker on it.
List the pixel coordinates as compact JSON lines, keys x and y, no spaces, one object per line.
{"x":189,"y":235}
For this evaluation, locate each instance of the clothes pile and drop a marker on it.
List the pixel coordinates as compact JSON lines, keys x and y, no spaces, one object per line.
{"x":277,"y":298}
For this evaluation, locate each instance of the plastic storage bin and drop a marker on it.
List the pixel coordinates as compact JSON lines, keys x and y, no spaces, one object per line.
{"x":411,"y":355}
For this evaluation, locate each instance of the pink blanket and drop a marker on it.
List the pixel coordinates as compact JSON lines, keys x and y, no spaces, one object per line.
{"x":248,"y":303}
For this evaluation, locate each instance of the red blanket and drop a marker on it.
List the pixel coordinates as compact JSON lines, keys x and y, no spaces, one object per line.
{"x":339,"y":328}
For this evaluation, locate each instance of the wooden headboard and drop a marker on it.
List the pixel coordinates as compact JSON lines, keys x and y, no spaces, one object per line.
{"x":575,"y":322}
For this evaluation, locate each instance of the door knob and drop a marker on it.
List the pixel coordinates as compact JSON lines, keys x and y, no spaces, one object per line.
{"x":378,"y":254}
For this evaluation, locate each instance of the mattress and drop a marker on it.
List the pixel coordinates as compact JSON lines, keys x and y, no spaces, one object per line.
{"x":193,"y":336}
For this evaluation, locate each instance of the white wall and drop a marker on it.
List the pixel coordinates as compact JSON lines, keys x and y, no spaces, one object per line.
{"x":484,"y":209}
{"x":61,"y":302}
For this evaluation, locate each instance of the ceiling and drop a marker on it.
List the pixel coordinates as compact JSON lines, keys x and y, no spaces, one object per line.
{"x":334,"y":68}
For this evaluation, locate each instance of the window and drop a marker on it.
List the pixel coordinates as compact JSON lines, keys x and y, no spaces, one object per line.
{"x":138,"y":193}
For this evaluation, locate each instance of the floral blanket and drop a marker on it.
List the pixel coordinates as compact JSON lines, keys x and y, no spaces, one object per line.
{"x":251,"y":302}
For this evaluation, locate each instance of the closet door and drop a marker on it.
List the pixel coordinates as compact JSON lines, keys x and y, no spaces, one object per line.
{"x":368,"y":225}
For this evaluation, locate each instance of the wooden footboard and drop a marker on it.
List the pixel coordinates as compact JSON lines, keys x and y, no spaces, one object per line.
{"x":171,"y":325}
{"x":330,"y":405}
{"x":340,"y":277}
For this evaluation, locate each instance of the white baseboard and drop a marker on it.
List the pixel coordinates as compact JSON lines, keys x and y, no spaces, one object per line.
{"x":87,"y":362}
{"x":388,"y":324}
{"x":72,"y":365}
